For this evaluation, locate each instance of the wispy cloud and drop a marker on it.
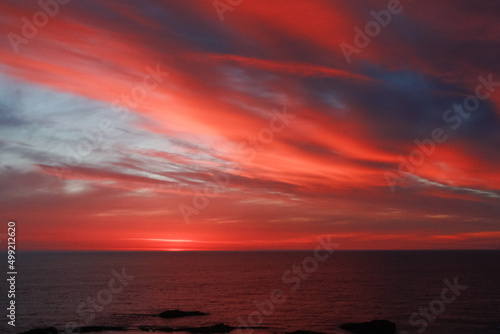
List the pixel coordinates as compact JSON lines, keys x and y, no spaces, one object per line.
{"x":70,"y":152}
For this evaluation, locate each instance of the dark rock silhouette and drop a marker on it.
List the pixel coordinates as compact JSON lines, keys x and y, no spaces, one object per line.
{"x":300,"y":331}
{"x":48,"y":330}
{"x":171,"y":314}
{"x":218,"y":328}
{"x":159,"y":329}
{"x":214,"y":329}
{"x":371,"y":327}
{"x":89,"y":329}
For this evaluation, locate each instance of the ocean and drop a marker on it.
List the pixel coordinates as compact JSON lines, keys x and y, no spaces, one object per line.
{"x":278,"y":291}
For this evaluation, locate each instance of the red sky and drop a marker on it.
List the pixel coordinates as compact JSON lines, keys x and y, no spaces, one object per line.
{"x":180,"y":125}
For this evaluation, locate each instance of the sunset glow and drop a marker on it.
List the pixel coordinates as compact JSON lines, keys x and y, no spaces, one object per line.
{"x":155,"y":125}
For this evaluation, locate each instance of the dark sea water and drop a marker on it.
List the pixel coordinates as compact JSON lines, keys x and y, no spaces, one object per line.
{"x":349,"y":286}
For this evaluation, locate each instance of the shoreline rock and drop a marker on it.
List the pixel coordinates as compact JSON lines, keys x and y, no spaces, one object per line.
{"x":217,"y":328}
{"x":214,"y":329}
{"x":46,"y":330}
{"x":173,"y":314}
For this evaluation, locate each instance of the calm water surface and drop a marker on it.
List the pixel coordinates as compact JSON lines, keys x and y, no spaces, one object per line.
{"x":349,"y":286}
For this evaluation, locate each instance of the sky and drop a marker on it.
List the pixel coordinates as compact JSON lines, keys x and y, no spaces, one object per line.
{"x":250,"y":124}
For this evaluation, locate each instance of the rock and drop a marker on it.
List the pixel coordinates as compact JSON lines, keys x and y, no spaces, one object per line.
{"x":171,"y":314}
{"x":215,"y":329}
{"x":89,"y":329}
{"x":48,"y":330}
{"x":218,"y":328}
{"x":371,"y":327}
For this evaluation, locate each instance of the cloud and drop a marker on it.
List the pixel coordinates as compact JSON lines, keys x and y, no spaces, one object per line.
{"x":322,"y":173}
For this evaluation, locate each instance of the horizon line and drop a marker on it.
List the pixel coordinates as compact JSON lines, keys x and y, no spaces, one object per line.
{"x":239,"y":250}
